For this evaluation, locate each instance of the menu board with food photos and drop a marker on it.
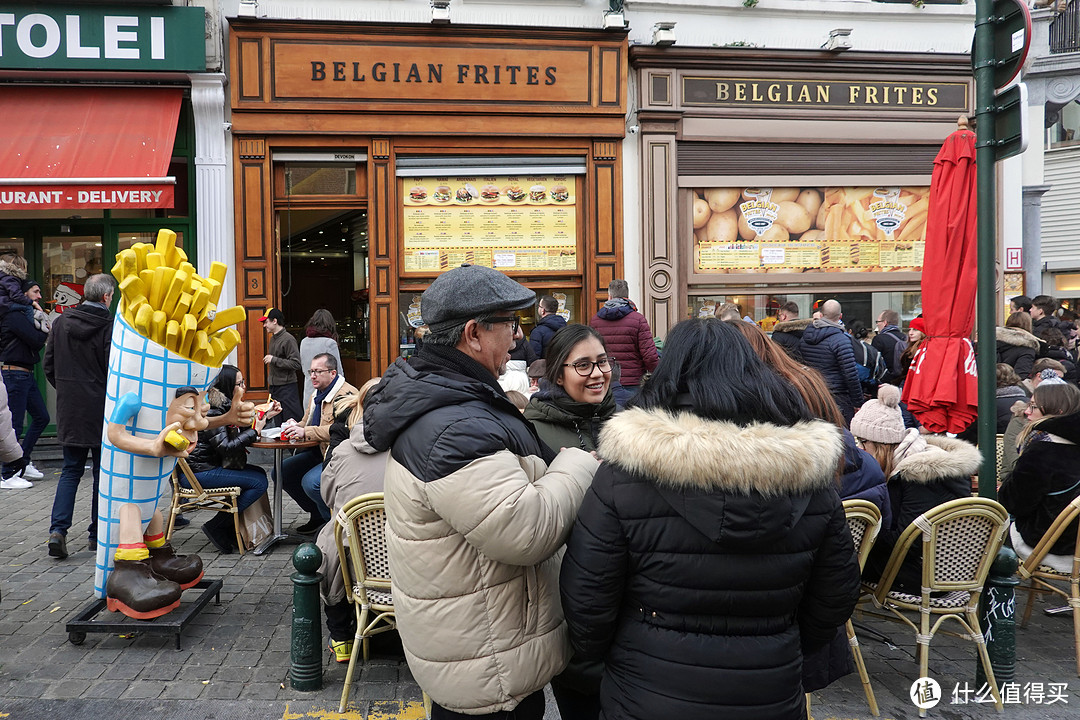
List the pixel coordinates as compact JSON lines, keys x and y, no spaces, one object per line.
{"x":794,"y":230}
{"x":513,"y":223}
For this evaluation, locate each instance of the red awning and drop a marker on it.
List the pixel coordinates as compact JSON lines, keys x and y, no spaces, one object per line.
{"x":82,"y":147}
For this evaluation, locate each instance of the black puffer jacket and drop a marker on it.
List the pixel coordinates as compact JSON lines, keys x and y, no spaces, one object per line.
{"x":827,"y":348}
{"x":20,"y":340}
{"x":1056,"y":352}
{"x":932,"y":470}
{"x":886,"y":342}
{"x":1046,"y":479}
{"x":787,"y":335}
{"x":77,"y":365}
{"x":1017,"y":348}
{"x":706,"y":558}
{"x":225,"y":446}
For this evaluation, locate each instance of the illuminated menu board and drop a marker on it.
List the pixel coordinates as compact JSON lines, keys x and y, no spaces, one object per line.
{"x":512,"y":223}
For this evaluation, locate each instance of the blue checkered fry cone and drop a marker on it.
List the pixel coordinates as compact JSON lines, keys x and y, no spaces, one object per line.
{"x":154,"y":373}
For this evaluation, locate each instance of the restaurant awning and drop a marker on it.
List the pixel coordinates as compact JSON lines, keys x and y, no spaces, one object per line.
{"x":83,"y":147}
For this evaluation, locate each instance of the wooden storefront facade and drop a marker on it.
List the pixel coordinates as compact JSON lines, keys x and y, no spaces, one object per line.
{"x":422,"y":147}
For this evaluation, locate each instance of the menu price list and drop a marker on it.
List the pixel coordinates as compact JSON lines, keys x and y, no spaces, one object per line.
{"x":501,"y":258}
{"x":798,"y":256}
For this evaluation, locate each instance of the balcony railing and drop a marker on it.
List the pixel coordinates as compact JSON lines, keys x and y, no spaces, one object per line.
{"x":1065,"y":30}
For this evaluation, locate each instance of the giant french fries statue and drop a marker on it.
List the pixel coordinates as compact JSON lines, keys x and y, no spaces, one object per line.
{"x":168,"y":340}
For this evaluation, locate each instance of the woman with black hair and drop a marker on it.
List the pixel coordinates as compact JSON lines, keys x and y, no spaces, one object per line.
{"x":711,"y":551}
{"x":220,"y":457}
{"x":575,"y":399}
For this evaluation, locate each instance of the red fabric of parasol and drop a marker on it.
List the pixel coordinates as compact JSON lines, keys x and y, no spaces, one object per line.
{"x":942,"y":386}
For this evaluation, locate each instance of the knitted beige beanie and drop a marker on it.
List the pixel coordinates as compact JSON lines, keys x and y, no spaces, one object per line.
{"x":880,"y":420}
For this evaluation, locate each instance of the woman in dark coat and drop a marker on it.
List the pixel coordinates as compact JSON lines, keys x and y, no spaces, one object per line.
{"x":220,"y":457}
{"x":1045,"y":480}
{"x":924,"y":471}
{"x":575,"y":399}
{"x":711,"y":551}
{"x":23,"y":333}
{"x":1016,"y":346}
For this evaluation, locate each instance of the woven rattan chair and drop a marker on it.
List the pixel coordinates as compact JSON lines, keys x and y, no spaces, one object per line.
{"x":960,"y":540}
{"x":864,"y":521}
{"x":361,"y":543}
{"x":1040,"y":576}
{"x":196,"y":497}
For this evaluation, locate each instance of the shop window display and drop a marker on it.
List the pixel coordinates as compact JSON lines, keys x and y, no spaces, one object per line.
{"x":809,"y":229}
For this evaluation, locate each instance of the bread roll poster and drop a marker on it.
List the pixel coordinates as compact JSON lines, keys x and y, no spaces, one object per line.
{"x":513,"y":223}
{"x":794,"y":230}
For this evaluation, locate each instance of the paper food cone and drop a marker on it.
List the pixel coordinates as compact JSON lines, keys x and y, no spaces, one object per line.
{"x":137,"y":365}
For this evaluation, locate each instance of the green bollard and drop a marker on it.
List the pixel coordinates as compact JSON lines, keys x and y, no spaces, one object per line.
{"x":306,"y":671}
{"x":997,"y":615}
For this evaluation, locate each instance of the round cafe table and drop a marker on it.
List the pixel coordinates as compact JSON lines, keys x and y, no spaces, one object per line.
{"x":279,"y":447}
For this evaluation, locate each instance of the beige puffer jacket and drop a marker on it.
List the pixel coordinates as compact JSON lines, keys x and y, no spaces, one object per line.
{"x":475,"y":558}
{"x":10,"y":450}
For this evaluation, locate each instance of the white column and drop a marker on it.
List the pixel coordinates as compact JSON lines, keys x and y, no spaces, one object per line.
{"x":213,"y":179}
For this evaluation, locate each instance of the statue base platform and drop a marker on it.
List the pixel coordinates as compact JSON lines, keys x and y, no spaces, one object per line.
{"x":170,"y":624}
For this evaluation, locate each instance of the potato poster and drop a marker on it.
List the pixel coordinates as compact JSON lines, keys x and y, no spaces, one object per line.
{"x":791,"y":230}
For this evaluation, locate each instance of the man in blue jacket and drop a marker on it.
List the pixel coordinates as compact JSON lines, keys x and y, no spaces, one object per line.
{"x":826,"y":348}
{"x":550,"y":323}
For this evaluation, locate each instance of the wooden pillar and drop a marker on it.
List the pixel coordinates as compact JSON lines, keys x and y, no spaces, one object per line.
{"x":603,"y":254}
{"x":382,"y":284}
{"x":256,"y":267}
{"x":659,"y":229}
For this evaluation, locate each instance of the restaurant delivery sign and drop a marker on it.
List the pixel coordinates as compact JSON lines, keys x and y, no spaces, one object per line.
{"x":102,"y":37}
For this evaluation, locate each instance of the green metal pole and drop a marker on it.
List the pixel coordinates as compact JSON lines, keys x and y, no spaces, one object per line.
{"x":306,"y":671}
{"x":986,"y":314}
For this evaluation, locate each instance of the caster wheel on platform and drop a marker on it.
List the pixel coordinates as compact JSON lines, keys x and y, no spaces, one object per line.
{"x":77,"y":638}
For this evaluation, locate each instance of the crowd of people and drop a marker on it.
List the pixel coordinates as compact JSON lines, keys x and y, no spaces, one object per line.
{"x":648,"y":532}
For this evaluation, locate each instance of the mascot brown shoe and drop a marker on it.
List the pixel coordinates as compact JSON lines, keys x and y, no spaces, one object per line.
{"x":136,"y":591}
{"x":184,"y":570}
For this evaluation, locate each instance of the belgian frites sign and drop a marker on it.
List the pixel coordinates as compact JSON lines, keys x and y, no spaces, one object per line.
{"x":37,"y":197}
{"x":445,"y":73}
{"x":825,"y":94}
{"x":62,"y":37}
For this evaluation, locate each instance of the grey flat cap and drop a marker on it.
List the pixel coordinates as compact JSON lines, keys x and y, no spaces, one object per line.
{"x":468,"y":292}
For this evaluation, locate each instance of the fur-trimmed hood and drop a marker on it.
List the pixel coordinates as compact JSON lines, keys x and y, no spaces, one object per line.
{"x":943,"y":458}
{"x":217,"y":399}
{"x":1017,"y":337}
{"x":793,"y":325}
{"x":12,"y":269}
{"x":686,"y":451}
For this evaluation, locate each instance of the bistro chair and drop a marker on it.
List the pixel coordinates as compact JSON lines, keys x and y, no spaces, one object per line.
{"x":196,"y":497}
{"x":360,"y":537}
{"x":960,"y":540}
{"x":1040,"y":575}
{"x":864,"y":522}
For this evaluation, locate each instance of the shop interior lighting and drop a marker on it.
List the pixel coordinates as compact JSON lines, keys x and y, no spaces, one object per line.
{"x":839,"y":40}
{"x":614,"y":20}
{"x":663,"y":34}
{"x":440,"y":11}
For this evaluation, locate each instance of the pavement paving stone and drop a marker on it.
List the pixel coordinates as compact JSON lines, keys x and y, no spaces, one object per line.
{"x":64,"y":689}
{"x":142,"y":689}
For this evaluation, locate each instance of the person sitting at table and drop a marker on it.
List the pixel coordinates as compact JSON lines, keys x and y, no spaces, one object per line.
{"x":302,"y":473}
{"x":353,"y":468}
{"x":220,"y":457}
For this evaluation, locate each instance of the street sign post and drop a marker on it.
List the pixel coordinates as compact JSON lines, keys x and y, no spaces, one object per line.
{"x":1010,"y":122}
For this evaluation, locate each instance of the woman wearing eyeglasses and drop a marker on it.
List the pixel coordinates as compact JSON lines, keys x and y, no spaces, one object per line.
{"x":220,"y":457}
{"x":575,"y":399}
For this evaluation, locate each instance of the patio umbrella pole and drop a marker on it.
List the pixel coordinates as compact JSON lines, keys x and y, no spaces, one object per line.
{"x":997,"y":613}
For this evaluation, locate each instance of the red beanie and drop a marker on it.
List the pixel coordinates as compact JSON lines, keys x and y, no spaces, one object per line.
{"x":918,"y":324}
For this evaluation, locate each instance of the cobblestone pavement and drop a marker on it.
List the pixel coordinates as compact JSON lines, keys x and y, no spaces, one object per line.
{"x":234,"y":659}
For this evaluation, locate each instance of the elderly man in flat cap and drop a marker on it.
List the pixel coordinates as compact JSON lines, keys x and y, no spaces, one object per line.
{"x":477,"y":507}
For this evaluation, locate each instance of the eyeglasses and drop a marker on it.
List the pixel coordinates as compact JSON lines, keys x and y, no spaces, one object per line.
{"x":313,"y":371}
{"x":241,"y":383}
{"x":1033,"y":406}
{"x":584,"y":368}
{"x":879,"y":322}
{"x":505,"y":319}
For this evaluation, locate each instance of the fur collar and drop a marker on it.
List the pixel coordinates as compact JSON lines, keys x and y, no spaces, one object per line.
{"x":216,"y":398}
{"x":684,"y":450}
{"x":12,"y":269}
{"x":1018,"y":337}
{"x":792,"y":325}
{"x":944,"y":457}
